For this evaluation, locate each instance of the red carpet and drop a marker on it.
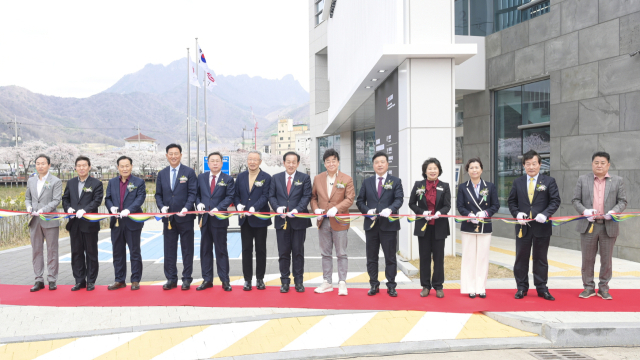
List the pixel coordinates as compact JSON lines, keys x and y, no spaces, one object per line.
{"x":497,"y":300}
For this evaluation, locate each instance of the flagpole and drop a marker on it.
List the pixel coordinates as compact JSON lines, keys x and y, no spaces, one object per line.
{"x":206,"y":150}
{"x":188,"y":111}
{"x":197,"y":117}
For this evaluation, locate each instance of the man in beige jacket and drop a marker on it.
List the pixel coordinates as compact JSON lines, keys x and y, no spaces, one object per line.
{"x":333,"y":193}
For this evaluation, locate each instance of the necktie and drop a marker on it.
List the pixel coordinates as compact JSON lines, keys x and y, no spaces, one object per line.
{"x":213,"y":184}
{"x":380,"y":186}
{"x":531,"y":188}
{"x":173,"y":182}
{"x":289,"y":186}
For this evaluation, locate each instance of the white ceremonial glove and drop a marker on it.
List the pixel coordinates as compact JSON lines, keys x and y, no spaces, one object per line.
{"x":29,"y":208}
{"x":114,"y":209}
{"x":125,"y":213}
{"x":436,"y":215}
{"x":541,"y":218}
{"x":71,"y":211}
{"x":385,"y":212}
{"x":319,"y":211}
{"x":481,"y":214}
{"x":427,"y":215}
{"x":182,"y":212}
{"x":164,"y":210}
{"x":332,"y":212}
{"x":251,"y":211}
{"x":281,"y":209}
{"x":589,"y":212}
{"x":240,"y":207}
{"x":213,"y":211}
{"x":521,"y":216}
{"x":200,"y":207}
{"x":290,"y":214}
{"x":472,"y":215}
{"x":40,"y":212}
{"x":80,"y":214}
{"x":608,"y":215}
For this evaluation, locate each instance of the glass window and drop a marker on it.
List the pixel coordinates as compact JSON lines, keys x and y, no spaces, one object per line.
{"x":324,"y":143}
{"x":319,"y":8}
{"x":461,"y":17}
{"x":516,"y":109}
{"x":481,"y":17}
{"x":363,"y":151}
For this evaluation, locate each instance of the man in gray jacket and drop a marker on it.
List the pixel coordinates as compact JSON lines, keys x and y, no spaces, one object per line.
{"x":43,"y":195}
{"x":597,"y":196}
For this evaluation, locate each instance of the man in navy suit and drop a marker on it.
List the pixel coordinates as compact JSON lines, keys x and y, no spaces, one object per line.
{"x":252,"y":195}
{"x":176,"y":188}
{"x":125,"y":195}
{"x":290,"y":193}
{"x":381,"y":194}
{"x":215,"y":193}
{"x":533,"y":196}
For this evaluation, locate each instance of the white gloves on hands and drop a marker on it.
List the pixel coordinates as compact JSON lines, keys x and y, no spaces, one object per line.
{"x":290,"y":214}
{"x":481,"y":214}
{"x":521,"y":216}
{"x":113,"y":209}
{"x":240,"y":207}
{"x":182,"y":212}
{"x":29,"y":208}
{"x":608,"y":215}
{"x":472,"y":215}
{"x":71,"y":211}
{"x":251,"y":211}
{"x":541,"y":218}
{"x":125,"y":213}
{"x":332,"y":212}
{"x":319,"y":211}
{"x":385,"y":212}
{"x":281,"y":209}
{"x":436,"y":215}
{"x":200,"y":207}
{"x":80,"y":214}
{"x":213,"y":211}
{"x":164,"y":210}
{"x":589,"y":212}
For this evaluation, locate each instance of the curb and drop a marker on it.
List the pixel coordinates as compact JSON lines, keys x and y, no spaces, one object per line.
{"x":406,"y":267}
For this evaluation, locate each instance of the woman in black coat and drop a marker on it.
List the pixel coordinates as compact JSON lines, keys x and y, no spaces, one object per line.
{"x":431,"y":198}
{"x":477,"y":199}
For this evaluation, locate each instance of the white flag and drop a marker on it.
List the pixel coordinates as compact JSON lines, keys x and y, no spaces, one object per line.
{"x":202,"y":62}
{"x":193,"y":76}
{"x":209,"y":81}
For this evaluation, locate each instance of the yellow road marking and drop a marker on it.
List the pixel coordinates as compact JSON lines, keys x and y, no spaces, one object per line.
{"x":271,"y":337}
{"x":31,"y":350}
{"x":480,"y":326}
{"x":385,"y":327}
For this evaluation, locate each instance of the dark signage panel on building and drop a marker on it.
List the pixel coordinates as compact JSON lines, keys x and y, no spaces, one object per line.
{"x":386,"y":103}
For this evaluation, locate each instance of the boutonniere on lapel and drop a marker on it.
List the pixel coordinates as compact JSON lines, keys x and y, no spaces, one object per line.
{"x":258,"y":183}
{"x":541,"y":187}
{"x":484,"y":193}
{"x":47,"y":185}
{"x":87,"y":189}
{"x":183,"y":179}
{"x":222,"y":183}
{"x":388,"y":185}
{"x":340,"y":185}
{"x":131,"y":187}
{"x":297,"y":183}
{"x":421,"y":191}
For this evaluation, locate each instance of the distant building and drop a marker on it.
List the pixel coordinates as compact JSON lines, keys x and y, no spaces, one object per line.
{"x":303,"y":143}
{"x":141,"y":141}
{"x":286,"y":136}
{"x":266,"y":149}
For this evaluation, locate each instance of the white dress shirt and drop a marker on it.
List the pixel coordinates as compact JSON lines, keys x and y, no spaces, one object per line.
{"x":384,"y":179}
{"x":286,"y":178}
{"x":40,"y":183}
{"x":330,"y":182}
{"x":211,"y":175}
{"x":171,"y":174}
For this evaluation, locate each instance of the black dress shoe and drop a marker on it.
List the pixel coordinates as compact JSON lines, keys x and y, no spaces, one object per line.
{"x":79,"y":286}
{"x":299,"y":288}
{"x":284,"y":288}
{"x":226,"y":286}
{"x":135,"y":285}
{"x":472,"y":295}
{"x":392,"y":292}
{"x":39,"y":285}
{"x":186,"y":285}
{"x":91,"y":286}
{"x":483,"y":295}
{"x":520,"y":294}
{"x":169,"y":285}
{"x":117,"y":285}
{"x":260,"y":284}
{"x":247,"y":286}
{"x":52,"y":285}
{"x":374,"y":290}
{"x":546,"y":295}
{"x":205,"y":285}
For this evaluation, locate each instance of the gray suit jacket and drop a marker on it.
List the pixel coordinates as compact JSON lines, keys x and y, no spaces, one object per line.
{"x":615,"y":199}
{"x":48,"y":200}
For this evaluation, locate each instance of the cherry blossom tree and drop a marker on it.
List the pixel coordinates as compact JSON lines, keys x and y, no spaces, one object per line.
{"x":28,"y":151}
{"x":62,"y":156}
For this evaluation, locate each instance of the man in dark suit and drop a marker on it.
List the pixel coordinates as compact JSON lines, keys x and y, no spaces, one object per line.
{"x":252,"y":195}
{"x":215,"y":193}
{"x":381,"y":194}
{"x":125,"y":195}
{"x":82,"y":195}
{"x":290,"y":193}
{"x":176,"y":189}
{"x":533,"y":196}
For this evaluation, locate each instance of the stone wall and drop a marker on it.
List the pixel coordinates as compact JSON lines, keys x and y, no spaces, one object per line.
{"x":583,"y":46}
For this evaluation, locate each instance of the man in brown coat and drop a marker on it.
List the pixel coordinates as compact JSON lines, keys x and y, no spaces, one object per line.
{"x":333,"y":193}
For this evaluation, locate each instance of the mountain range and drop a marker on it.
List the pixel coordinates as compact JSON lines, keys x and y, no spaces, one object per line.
{"x":155,"y":98}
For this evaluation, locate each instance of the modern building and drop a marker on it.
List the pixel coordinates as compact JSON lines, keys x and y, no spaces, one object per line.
{"x":480,"y":78}
{"x":303,"y":143}
{"x":142,"y":142}
{"x":285,"y":139}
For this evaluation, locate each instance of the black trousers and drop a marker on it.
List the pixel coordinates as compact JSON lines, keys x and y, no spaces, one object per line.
{"x":387,"y":239}
{"x":249,"y":234}
{"x":214,"y":237}
{"x":540,"y":265}
{"x":121,"y":237}
{"x":84,"y":255}
{"x":430,"y":247}
{"x":184,"y":231}
{"x":291,"y":243}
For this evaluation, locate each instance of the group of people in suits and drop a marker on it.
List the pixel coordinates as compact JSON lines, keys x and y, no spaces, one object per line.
{"x":533,"y":196}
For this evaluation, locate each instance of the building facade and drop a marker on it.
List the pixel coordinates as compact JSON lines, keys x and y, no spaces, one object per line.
{"x":141,"y":141}
{"x":553,"y":76}
{"x":285,"y":139}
